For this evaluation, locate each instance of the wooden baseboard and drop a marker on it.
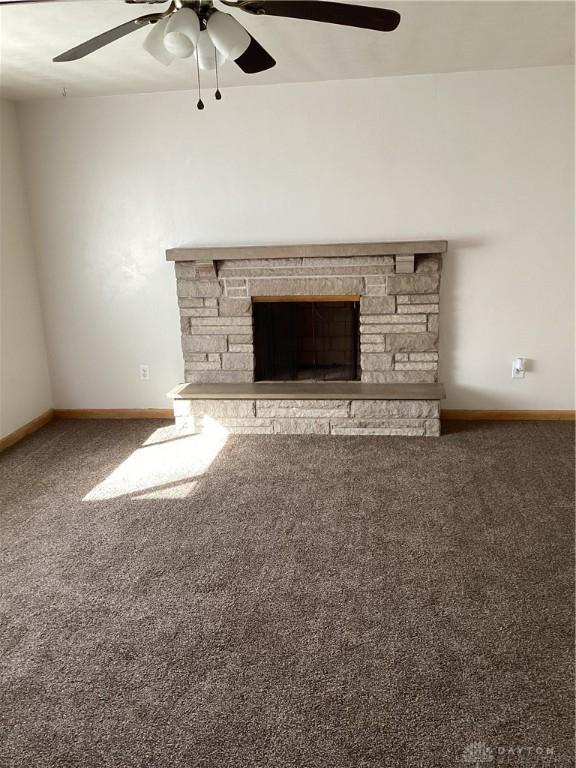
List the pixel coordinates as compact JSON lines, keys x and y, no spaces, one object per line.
{"x":27,"y":429}
{"x":167,"y":414}
{"x":453,"y":415}
{"x":114,"y":413}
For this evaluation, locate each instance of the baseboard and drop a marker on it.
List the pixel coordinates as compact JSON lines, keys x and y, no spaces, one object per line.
{"x":27,"y":429}
{"x":114,"y":413}
{"x":452,"y":415}
{"x":167,"y":414}
{"x":447,"y":415}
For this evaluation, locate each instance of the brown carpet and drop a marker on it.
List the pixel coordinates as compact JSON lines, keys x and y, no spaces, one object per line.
{"x":304,"y":602}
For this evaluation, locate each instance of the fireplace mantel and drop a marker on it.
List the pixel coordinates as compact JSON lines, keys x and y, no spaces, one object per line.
{"x":232,"y":253}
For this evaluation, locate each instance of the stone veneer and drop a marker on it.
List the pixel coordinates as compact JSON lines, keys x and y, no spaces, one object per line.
{"x":408,"y":418}
{"x":399,"y":305}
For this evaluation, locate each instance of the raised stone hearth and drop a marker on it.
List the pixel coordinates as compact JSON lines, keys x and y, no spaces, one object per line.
{"x":395,"y":287}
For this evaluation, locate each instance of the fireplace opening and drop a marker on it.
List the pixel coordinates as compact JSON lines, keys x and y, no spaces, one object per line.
{"x":298,"y":339}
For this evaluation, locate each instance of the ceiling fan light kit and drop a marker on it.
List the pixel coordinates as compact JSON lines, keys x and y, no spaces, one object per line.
{"x":181,"y":33}
{"x":190,"y":27}
{"x":213,"y":39}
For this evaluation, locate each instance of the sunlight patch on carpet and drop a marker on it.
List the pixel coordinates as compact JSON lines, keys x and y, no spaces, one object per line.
{"x":167,"y":466}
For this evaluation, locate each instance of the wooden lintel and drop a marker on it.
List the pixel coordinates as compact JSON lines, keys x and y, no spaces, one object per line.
{"x":304,"y":298}
{"x":219,"y":253}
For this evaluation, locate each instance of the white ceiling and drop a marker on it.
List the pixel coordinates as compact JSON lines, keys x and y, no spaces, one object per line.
{"x":432,"y":37}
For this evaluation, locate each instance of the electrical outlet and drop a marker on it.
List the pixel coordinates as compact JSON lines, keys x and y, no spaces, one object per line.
{"x":518,"y":368}
{"x":144,"y":373}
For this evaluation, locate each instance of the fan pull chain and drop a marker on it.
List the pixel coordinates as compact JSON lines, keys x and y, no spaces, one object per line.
{"x":200,"y":103}
{"x":217,"y":95}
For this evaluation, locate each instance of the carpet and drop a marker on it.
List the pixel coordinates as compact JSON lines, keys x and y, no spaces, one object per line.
{"x":286,"y":601}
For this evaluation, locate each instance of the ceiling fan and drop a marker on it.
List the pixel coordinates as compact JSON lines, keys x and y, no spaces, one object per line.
{"x":190,"y":27}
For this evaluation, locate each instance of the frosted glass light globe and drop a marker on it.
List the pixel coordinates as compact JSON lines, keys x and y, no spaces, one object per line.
{"x":182,"y":32}
{"x":154,"y":42}
{"x":207,"y":53}
{"x":228,"y":35}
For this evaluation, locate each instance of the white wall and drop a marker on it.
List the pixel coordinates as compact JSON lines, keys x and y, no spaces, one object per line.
{"x":483,"y":159}
{"x":24,"y":379}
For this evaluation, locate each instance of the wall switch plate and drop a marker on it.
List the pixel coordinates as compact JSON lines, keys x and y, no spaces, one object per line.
{"x":144,"y":373}
{"x":518,"y":367}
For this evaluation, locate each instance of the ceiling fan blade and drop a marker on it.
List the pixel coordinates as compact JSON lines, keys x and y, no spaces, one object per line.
{"x":347,"y":14}
{"x":255,"y":58}
{"x":30,"y":2}
{"x":108,"y":37}
{"x":25,"y":2}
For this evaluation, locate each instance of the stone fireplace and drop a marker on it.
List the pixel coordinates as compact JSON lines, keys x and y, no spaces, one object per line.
{"x":329,"y":339}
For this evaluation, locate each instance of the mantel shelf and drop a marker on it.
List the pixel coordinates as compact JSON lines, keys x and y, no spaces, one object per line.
{"x":314,"y":391}
{"x":220,"y":253}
